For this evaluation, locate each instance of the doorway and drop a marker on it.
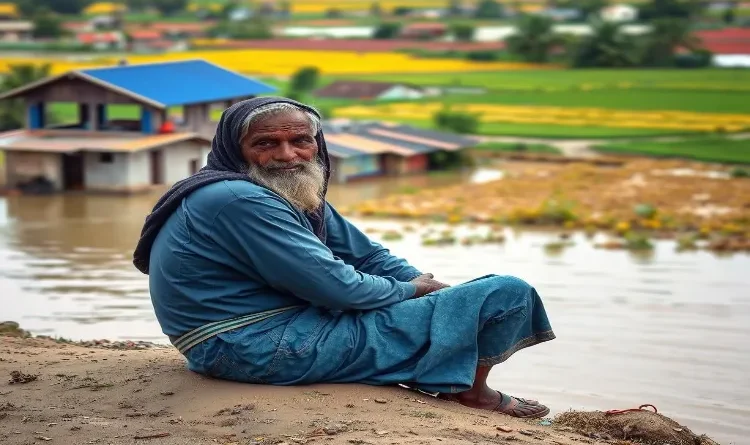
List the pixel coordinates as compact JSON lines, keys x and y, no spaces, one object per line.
{"x":157,"y":166}
{"x":193,"y":166}
{"x":73,"y":171}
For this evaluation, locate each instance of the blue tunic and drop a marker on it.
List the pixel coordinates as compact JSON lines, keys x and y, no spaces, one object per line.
{"x":234,"y":248}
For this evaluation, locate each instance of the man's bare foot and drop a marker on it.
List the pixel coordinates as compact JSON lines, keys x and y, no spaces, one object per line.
{"x":492,"y":400}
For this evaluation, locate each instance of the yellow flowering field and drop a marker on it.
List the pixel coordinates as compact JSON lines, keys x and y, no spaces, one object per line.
{"x":103,"y":8}
{"x":286,"y":62}
{"x":573,"y":116}
{"x":320,"y":6}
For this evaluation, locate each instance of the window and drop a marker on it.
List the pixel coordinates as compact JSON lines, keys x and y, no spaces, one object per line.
{"x":106,"y":158}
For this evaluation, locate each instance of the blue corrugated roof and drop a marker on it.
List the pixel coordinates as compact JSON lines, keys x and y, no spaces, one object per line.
{"x":180,"y":83}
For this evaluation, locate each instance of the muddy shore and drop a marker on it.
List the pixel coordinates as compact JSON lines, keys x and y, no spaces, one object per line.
{"x":125,"y":393}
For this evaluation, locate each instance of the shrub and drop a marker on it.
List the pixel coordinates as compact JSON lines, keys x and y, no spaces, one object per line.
{"x":456,"y":121}
{"x":482,"y":56}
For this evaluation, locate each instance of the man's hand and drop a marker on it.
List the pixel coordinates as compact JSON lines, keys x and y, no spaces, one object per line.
{"x":425,"y":284}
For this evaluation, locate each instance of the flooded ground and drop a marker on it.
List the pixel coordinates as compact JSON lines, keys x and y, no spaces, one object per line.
{"x":668,"y":329}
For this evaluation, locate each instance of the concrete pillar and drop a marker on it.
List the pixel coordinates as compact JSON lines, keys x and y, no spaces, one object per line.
{"x":93,"y":122}
{"x":83,"y":115}
{"x":35,"y":115}
{"x":101,"y":116}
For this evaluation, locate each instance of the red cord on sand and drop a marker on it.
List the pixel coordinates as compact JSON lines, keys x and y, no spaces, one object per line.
{"x":620,"y":411}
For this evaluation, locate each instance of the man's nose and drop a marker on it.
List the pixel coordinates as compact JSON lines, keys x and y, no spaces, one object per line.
{"x":285,"y":153}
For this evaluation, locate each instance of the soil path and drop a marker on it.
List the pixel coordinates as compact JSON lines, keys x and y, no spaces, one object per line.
{"x":73,"y":394}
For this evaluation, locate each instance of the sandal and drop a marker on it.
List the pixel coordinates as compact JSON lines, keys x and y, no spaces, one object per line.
{"x":512,"y":406}
{"x":523,"y":408}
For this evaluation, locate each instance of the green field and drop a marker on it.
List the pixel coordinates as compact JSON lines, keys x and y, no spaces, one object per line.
{"x":711,"y":149}
{"x":646,"y":78}
{"x":701,"y":91}
{"x":551,"y":131}
{"x":708,"y":91}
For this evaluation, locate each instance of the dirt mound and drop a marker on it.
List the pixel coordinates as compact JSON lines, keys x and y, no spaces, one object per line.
{"x":643,"y":426}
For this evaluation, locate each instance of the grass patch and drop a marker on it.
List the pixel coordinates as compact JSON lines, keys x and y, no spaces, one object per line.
{"x":704,"y":79}
{"x":517,"y":147}
{"x":709,"y":149}
{"x":68,"y":112}
{"x":551,"y":131}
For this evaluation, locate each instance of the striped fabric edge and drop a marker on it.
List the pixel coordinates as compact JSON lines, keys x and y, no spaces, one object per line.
{"x":203,"y":333}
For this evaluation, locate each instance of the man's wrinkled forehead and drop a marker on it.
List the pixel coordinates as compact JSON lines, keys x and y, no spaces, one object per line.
{"x":281,"y":120}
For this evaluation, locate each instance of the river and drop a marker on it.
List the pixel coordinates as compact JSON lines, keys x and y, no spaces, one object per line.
{"x":670,"y":329}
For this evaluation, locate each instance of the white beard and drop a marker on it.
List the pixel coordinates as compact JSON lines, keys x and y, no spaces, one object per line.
{"x":302,"y":188}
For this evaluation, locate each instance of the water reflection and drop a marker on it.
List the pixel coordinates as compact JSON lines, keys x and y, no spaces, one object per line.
{"x":664,"y":328}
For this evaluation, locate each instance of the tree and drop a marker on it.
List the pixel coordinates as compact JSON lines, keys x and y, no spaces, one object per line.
{"x":607,"y":47}
{"x":489,"y":9}
{"x":12,"y":112}
{"x":590,"y":7}
{"x":304,"y":80}
{"x":388,"y":30}
{"x":285,"y":9}
{"x":658,"y":9}
{"x":47,"y":26}
{"x":333,"y":13}
{"x":376,"y":10}
{"x":463,"y":31}
{"x":137,"y":5}
{"x":666,"y":36}
{"x":454,"y":8}
{"x":169,"y":7}
{"x":70,"y":7}
{"x":254,"y":29}
{"x":729,"y":16}
{"x":534,"y":39}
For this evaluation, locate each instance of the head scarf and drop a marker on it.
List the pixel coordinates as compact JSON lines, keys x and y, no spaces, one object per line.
{"x":225,"y":162}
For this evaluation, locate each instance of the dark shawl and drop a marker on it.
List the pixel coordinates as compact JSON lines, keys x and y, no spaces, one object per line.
{"x":225,"y":162}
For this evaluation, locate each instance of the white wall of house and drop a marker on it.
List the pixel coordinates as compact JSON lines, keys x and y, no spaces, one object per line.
{"x":139,"y":169}
{"x":132,"y":171}
{"x":619,"y":13}
{"x":178,"y":158}
{"x":23,"y":166}
{"x":204,"y":156}
{"x":105,"y":171}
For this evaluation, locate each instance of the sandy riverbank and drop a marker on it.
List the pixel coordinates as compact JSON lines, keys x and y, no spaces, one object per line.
{"x":74,"y":394}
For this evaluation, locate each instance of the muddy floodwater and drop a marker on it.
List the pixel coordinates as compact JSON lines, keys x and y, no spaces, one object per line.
{"x":670,"y":329}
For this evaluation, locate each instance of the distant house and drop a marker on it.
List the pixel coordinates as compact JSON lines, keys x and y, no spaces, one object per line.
{"x":562,"y":14}
{"x":730,"y":46}
{"x":367,"y":149}
{"x":355,"y":89}
{"x":174,"y":30}
{"x":121,"y":138}
{"x":153,"y":41}
{"x":102,"y":40}
{"x":427,"y":30}
{"x":619,"y":13}
{"x":16,"y":31}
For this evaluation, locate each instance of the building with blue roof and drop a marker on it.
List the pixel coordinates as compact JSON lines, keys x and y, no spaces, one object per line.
{"x":134,"y":125}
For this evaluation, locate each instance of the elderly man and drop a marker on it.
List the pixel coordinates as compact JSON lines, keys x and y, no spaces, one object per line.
{"x":256,"y":278}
